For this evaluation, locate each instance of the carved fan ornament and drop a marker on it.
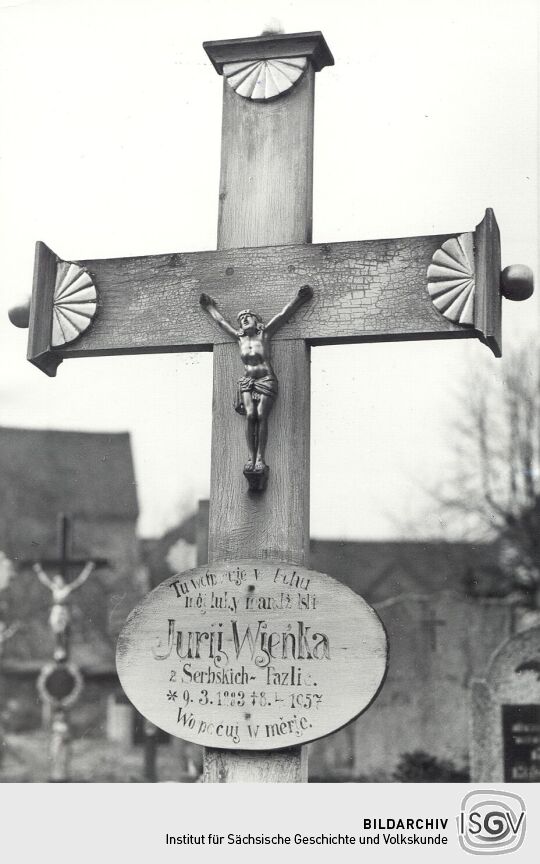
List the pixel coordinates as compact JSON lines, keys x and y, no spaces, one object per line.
{"x":451,"y":279}
{"x":74,"y":305}
{"x":260,"y":80}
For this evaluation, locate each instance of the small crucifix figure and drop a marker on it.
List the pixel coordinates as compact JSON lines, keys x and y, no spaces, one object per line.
{"x":61,"y":589}
{"x":258,"y":387}
{"x":60,"y":616}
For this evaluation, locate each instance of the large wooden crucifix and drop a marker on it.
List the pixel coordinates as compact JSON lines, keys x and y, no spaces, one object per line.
{"x":432,"y":287}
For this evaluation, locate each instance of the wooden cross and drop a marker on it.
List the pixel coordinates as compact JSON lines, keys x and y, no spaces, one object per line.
{"x":435,"y":287}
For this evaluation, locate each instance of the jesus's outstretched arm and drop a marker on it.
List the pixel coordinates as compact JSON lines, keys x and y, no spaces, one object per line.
{"x":210,"y":307}
{"x":82,"y":577}
{"x":304,"y":294}
{"x":42,"y":576}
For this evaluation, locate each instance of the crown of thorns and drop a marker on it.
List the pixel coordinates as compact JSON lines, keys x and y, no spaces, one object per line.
{"x":260,"y":325}
{"x":247,"y":312}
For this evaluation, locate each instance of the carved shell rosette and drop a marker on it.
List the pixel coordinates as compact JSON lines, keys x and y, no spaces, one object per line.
{"x":74,"y":304}
{"x":451,"y":279}
{"x":261,"y":80}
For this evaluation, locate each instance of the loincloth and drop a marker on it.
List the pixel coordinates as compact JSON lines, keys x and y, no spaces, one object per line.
{"x":59,"y":618}
{"x":265,"y":386}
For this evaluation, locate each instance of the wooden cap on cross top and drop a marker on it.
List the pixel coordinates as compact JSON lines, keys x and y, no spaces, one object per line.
{"x":267,"y":152}
{"x":271,"y":46}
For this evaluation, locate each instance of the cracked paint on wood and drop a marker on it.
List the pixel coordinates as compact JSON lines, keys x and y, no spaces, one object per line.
{"x":367,"y":290}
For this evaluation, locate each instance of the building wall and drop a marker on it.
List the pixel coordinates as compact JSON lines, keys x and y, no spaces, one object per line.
{"x":424,"y":702}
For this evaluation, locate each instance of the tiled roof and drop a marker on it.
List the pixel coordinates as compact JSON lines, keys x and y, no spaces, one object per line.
{"x":86,"y":475}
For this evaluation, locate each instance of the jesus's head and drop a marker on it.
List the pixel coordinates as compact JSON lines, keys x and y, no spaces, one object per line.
{"x":249,"y":321}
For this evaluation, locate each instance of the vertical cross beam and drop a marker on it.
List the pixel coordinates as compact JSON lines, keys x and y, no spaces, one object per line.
{"x":201,"y":531}
{"x":64,"y":562}
{"x":64,"y":539}
{"x":265,"y":198}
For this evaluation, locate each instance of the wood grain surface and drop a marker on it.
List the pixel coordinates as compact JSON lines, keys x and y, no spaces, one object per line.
{"x":41,"y":311}
{"x":364,"y":291}
{"x":488,"y":299}
{"x":268,"y":766}
{"x":275,"y":523}
{"x":251,"y":655}
{"x":259,"y":205}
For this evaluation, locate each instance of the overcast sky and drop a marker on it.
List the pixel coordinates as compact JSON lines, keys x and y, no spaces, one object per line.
{"x":110,"y":116}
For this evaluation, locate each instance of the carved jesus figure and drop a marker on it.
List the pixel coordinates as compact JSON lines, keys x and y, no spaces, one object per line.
{"x":258,"y":387}
{"x":61,"y":590}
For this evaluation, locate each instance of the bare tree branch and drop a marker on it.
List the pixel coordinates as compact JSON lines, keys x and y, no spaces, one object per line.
{"x":496,"y":475}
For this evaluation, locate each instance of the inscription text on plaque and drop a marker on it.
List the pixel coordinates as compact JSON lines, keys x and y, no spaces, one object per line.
{"x":251,"y":655}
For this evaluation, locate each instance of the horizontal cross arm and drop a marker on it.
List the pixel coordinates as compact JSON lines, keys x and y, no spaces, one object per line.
{"x":57,"y":562}
{"x":362,"y":291}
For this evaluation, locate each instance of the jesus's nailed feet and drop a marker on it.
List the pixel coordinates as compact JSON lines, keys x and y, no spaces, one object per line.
{"x":257,"y":477}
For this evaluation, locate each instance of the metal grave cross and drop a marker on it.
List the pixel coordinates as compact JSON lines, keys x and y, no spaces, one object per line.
{"x":433,"y":287}
{"x":61,"y":586}
{"x":60,"y":681}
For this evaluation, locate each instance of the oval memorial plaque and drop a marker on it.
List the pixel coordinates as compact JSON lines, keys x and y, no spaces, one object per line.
{"x":251,"y":655}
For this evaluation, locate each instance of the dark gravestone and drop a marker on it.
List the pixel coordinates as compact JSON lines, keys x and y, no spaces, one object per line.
{"x":521,"y":741}
{"x":505,"y":743}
